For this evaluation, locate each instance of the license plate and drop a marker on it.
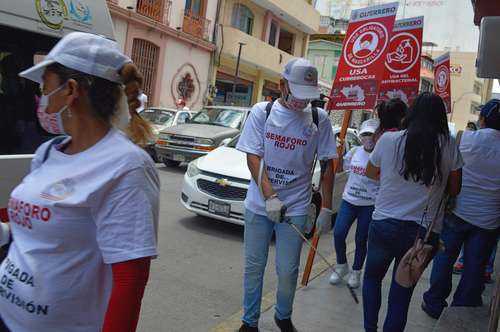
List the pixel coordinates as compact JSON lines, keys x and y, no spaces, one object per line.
{"x":178,"y":157}
{"x":218,"y":208}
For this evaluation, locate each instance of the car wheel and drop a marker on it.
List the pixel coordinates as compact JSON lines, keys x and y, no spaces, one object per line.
{"x":171,"y":163}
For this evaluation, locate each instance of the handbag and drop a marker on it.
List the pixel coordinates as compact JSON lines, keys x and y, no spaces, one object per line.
{"x":415,"y":261}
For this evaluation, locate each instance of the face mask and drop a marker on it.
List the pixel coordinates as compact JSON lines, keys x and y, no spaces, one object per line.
{"x":52,"y":122}
{"x":296,"y":104}
{"x":367,"y":142}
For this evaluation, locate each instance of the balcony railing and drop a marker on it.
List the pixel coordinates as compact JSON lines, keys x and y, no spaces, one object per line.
{"x":158,"y":10}
{"x":196,"y":25}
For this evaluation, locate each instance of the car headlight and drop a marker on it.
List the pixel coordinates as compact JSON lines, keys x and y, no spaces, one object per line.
{"x":164,"y":136}
{"x":203,"y":141}
{"x":192,"y":169}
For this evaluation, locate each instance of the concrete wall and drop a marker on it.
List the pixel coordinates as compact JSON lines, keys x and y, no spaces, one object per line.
{"x":120,"y":27}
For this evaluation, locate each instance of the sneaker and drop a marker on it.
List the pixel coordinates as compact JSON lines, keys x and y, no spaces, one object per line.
{"x":429,"y":312}
{"x":354,"y":279}
{"x":487,"y":278}
{"x":285,"y":325}
{"x":338,"y":275}
{"x":458,"y":268}
{"x":247,"y":328}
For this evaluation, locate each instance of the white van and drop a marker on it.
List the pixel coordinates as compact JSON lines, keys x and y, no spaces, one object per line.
{"x":28,"y":30}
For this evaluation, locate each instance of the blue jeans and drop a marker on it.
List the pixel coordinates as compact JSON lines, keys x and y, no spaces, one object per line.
{"x":258,"y":233}
{"x":388,"y":240}
{"x":491,"y":262}
{"x":478,"y":244}
{"x":345,"y":218}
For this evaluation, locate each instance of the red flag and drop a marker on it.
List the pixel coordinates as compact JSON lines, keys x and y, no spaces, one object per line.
{"x":402,"y":62}
{"x":442,"y":83}
{"x":362,"y":63}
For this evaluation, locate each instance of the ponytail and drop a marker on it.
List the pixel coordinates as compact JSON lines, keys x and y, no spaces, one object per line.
{"x":139,"y":130}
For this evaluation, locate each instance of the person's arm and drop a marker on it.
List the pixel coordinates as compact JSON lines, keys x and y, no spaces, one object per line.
{"x":372,"y":172}
{"x":327,"y":184}
{"x":454,"y":184}
{"x":253,"y":162}
{"x":129,"y":281}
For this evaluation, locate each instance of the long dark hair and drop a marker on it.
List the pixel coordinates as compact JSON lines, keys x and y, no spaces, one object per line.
{"x":391,"y":113}
{"x":426,"y":131}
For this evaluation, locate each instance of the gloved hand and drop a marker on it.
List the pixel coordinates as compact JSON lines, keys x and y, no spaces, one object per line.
{"x":274,"y":208}
{"x":4,"y":233}
{"x":324,"y":222}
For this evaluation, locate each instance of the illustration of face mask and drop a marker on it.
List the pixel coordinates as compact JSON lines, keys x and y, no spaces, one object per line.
{"x":52,"y":122}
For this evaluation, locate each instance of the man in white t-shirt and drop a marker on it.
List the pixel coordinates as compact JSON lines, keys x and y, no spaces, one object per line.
{"x":281,"y":141}
{"x":474,"y":222}
{"x":143,"y":98}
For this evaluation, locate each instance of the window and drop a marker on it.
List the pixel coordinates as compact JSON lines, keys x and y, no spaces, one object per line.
{"x":243,"y":18}
{"x":474,"y":107}
{"x":286,"y":41}
{"x":320,"y":62}
{"x":478,"y":88}
{"x":273,"y":31}
{"x":145,"y":56}
{"x":183,"y":116}
{"x":196,"y":8}
{"x":426,"y":86}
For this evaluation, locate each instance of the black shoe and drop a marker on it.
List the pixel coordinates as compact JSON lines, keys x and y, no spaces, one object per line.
{"x":285,"y":325}
{"x":429,"y":312}
{"x":247,"y":328}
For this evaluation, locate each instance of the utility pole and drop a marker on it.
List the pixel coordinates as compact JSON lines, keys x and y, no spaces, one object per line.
{"x":237,"y":71}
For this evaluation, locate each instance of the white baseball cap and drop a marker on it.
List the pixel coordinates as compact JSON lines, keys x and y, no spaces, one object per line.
{"x":302,"y":78}
{"x":86,"y":53}
{"x":369,"y":126}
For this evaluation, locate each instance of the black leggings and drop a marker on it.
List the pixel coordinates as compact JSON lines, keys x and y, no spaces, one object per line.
{"x":3,"y":328}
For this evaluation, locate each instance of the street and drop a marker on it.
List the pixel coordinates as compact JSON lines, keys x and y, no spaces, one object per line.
{"x":196,"y":283}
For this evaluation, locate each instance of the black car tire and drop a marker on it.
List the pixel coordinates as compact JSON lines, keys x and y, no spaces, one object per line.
{"x":171,"y":163}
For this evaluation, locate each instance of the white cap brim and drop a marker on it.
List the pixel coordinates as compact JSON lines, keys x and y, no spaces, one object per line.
{"x":304,"y":91}
{"x":368,"y":130}
{"x":35,"y":73}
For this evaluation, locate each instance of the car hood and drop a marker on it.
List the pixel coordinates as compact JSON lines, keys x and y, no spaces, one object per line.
{"x":225,"y":161}
{"x":159,"y":128}
{"x":202,"y":131}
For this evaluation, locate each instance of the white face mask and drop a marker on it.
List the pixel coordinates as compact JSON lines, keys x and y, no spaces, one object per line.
{"x":367,"y":142}
{"x":52,"y":122}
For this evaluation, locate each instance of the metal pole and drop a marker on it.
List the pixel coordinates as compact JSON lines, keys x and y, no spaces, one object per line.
{"x":237,"y":70}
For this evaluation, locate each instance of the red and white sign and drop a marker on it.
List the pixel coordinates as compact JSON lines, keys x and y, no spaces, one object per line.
{"x":402,"y":61}
{"x":361,"y":65}
{"x":442,"y":81}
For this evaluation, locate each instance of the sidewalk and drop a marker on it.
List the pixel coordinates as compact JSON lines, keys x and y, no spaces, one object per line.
{"x":320,"y":307}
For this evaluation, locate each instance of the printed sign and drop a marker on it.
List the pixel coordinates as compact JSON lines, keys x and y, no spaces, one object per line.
{"x":402,"y":62}
{"x":361,"y":64}
{"x":456,"y":70}
{"x":442,"y":84}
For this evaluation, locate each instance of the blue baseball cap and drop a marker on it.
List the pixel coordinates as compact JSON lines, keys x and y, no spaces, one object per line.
{"x":487,"y":109}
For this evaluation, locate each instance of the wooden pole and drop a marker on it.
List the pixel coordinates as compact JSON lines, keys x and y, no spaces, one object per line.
{"x":336,"y":164}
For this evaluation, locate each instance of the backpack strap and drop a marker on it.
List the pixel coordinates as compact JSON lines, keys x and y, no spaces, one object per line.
{"x":315,"y":116}
{"x":55,"y":141}
{"x":269,"y":107}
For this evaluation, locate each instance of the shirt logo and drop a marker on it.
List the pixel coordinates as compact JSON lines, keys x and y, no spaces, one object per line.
{"x":59,"y":191}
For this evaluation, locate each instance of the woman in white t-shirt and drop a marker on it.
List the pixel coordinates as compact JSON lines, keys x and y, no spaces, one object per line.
{"x":358,"y":202}
{"x":84,"y":221}
{"x":415,"y":166}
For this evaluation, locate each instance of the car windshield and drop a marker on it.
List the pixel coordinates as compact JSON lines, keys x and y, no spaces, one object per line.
{"x":220,"y":117}
{"x":158,"y":117}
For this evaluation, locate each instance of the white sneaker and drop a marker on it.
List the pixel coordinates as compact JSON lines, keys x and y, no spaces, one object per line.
{"x":354,"y":279}
{"x":340,"y":271}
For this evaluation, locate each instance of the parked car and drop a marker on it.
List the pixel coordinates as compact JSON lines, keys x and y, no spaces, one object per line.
{"x":162,"y":118}
{"x":208,"y":129}
{"x":216,"y":185}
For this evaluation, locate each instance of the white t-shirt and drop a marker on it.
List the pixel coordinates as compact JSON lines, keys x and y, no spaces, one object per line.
{"x":406,"y":200}
{"x":72,"y":217}
{"x":287,"y":141}
{"x":359,"y":189}
{"x":479,"y":200}
{"x":143,"y":98}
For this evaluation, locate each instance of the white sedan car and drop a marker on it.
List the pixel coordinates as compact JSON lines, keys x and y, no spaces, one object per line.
{"x":216,"y":184}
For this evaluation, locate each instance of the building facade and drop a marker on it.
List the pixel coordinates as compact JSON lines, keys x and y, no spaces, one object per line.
{"x":172,"y":44}
{"x":270,"y":32}
{"x":468,"y":91}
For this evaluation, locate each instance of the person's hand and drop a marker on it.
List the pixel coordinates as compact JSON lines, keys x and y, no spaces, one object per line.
{"x":274,"y":207}
{"x":324,"y":222}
